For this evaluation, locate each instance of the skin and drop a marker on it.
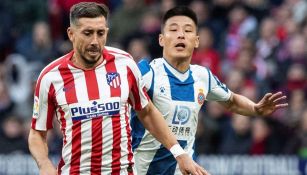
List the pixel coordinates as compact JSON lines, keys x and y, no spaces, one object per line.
{"x":182,"y":29}
{"x":88,"y":38}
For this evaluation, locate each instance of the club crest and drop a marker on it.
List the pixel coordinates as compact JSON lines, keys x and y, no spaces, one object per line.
{"x":201,"y":97}
{"x":113,"y":79}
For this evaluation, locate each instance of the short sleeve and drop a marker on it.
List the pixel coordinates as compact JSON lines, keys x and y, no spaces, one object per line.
{"x":138,"y":97}
{"x":217,"y":90}
{"x":43,"y":106}
{"x":147,"y":73}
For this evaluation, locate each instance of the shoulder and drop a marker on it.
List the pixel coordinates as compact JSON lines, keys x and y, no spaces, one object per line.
{"x":145,"y":66}
{"x":200,"y":70}
{"x":54,"y":66}
{"x":118,"y":53}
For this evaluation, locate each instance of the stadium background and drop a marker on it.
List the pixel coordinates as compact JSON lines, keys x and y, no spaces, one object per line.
{"x":254,"y":46}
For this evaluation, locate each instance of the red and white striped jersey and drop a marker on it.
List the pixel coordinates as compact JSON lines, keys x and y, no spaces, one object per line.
{"x":93,"y":109}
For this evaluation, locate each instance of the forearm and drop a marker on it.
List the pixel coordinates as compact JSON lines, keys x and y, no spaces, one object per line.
{"x":157,"y":126}
{"x":39,"y":148}
{"x":241,"y":105}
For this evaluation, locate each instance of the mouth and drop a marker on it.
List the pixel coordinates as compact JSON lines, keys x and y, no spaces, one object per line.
{"x":93,"y":51}
{"x":180,"y":46}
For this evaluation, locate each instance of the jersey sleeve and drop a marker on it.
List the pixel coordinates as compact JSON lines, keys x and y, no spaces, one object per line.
{"x":146,"y":72}
{"x":43,"y":106}
{"x":138,"y":97}
{"x":217,"y":90}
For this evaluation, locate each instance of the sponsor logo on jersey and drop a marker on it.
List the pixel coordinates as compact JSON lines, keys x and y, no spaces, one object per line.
{"x":35,"y":107}
{"x":182,"y":115}
{"x":95,"y":109}
{"x":113,"y":79}
{"x":201,"y":97}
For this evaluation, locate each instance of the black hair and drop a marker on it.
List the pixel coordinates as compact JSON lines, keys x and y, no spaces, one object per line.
{"x":87,"y":10}
{"x":179,"y":11}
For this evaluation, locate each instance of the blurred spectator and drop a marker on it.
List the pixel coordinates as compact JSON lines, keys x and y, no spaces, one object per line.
{"x":165,"y":5}
{"x":19,"y":80}
{"x":245,"y":64}
{"x":6,"y":24}
{"x":205,"y":55}
{"x":265,"y":141}
{"x":24,"y":13}
{"x":126,"y":19}
{"x":12,"y":140}
{"x":235,"y":80}
{"x":266,"y":45}
{"x":241,"y":24}
{"x":58,"y":11}
{"x":298,"y":9}
{"x":138,"y":49}
{"x":39,"y":46}
{"x":294,"y":51}
{"x":6,"y":104}
{"x":149,"y":31}
{"x":201,"y":9}
{"x":298,"y":142}
{"x":213,"y":122}
{"x":238,"y":139}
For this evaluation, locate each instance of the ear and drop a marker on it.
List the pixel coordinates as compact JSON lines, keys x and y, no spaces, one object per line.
{"x":161,"y":40}
{"x":196,"y":41}
{"x":70,"y":34}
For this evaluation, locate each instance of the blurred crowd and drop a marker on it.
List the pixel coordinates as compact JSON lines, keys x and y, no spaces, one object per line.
{"x":254,"y":46}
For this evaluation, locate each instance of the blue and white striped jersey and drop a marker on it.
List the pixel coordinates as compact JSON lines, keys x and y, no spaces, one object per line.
{"x":179,"y":97}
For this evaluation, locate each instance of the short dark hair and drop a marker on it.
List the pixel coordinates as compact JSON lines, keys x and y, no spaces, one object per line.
{"x":87,"y":10}
{"x":179,"y":11}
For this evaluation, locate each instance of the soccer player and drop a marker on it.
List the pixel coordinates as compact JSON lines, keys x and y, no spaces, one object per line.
{"x":90,"y":91}
{"x":179,"y":89}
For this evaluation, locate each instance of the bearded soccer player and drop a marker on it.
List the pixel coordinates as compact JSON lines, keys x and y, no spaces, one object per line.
{"x":179,"y":89}
{"x":90,"y":91}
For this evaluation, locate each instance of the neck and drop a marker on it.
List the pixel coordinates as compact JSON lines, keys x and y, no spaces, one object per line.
{"x":182,"y":65}
{"x":85,"y":65}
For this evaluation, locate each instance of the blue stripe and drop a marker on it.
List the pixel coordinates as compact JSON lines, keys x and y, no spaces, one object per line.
{"x":209,"y":84}
{"x":144,"y":66}
{"x":194,"y":156}
{"x":151,"y":89}
{"x":137,"y":130}
{"x":181,"y":91}
{"x":164,"y":162}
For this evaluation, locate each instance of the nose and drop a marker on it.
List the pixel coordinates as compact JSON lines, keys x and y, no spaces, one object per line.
{"x":94,"y":40}
{"x":180,"y":33}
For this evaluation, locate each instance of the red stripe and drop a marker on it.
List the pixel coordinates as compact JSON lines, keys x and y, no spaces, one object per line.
{"x":91,"y":84}
{"x":128,"y":130}
{"x":133,"y":85}
{"x":71,"y":97}
{"x":93,"y":93}
{"x":33,"y":124}
{"x":115,"y":92}
{"x":51,"y":106}
{"x":63,"y":129}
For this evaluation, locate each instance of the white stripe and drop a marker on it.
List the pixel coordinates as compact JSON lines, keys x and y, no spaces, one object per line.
{"x":80,"y":84}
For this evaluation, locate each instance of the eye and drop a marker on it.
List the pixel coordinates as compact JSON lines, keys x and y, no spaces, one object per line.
{"x":87,"y":33}
{"x":101,"y":33}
